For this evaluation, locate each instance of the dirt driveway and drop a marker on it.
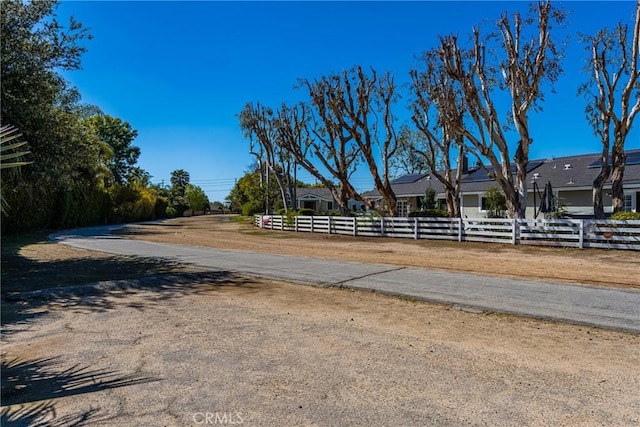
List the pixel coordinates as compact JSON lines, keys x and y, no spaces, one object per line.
{"x":187,"y":348}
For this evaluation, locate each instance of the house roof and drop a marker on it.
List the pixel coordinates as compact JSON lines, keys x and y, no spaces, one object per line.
{"x":564,"y":173}
{"x":314,"y":193}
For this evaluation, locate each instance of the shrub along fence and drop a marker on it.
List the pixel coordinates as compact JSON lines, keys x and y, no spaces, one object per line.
{"x":578,"y":233}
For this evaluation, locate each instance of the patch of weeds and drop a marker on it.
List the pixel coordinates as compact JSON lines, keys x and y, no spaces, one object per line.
{"x":408,"y":299}
{"x":272,"y":234}
{"x":239,"y":218}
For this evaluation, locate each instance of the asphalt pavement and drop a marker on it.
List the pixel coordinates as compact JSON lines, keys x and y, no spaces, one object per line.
{"x":611,"y":308}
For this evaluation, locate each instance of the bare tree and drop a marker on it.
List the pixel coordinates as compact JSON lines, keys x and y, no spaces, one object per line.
{"x":438,"y":112}
{"x":525,"y":66}
{"x":358,"y":105}
{"x":256,"y":121}
{"x":306,"y":138}
{"x":611,"y":109}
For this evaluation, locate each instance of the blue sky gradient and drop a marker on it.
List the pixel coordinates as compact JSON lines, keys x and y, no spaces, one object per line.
{"x":180,"y":72}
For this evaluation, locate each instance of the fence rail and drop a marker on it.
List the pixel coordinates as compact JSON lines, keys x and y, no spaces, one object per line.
{"x":578,"y":233}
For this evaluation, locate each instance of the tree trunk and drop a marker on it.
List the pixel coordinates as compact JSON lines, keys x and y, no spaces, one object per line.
{"x":617,"y":174}
{"x":342,"y":199}
{"x":520,"y":187}
{"x":453,"y":204}
{"x":598,"y":184}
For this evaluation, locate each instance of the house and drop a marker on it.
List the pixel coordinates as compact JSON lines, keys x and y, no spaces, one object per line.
{"x":571,"y":179}
{"x":320,"y":200}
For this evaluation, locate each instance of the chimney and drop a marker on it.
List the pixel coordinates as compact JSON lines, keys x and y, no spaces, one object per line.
{"x":465,"y":163}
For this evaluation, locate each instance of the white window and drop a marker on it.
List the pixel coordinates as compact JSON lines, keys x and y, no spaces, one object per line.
{"x":628,"y":203}
{"x":402,"y":208}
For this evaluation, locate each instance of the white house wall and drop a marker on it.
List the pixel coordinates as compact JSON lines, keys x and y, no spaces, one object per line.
{"x":580,"y":200}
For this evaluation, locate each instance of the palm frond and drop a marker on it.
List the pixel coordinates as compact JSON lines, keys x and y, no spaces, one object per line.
{"x":9,"y":157}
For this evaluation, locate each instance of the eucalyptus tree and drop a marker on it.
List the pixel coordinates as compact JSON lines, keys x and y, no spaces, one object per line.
{"x":357,"y":105}
{"x":257,"y":123}
{"x":613,"y":101}
{"x":517,"y":60}
{"x":438,"y":113}
{"x":307,"y":132}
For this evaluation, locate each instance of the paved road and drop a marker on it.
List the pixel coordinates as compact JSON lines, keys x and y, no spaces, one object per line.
{"x":596,"y":306}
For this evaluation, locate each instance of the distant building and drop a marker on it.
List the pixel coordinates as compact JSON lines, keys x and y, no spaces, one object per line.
{"x":321,"y":201}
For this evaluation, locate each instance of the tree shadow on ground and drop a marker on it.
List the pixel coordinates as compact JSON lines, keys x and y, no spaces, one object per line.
{"x":29,"y":387}
{"x":21,"y":309}
{"x":21,"y":273}
{"x":43,"y":414}
{"x":38,"y":276}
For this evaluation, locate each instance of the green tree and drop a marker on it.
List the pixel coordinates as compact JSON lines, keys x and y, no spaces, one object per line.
{"x":179,"y":181}
{"x":196,"y":198}
{"x":62,"y":186}
{"x":140,"y":176}
{"x":35,"y":98}
{"x":118,"y":135}
{"x":495,"y":203}
{"x":248,"y":196}
{"x":429,"y":199}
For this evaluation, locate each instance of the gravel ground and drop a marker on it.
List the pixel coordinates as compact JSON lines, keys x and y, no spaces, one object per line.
{"x":219,"y":349}
{"x":172,"y":346}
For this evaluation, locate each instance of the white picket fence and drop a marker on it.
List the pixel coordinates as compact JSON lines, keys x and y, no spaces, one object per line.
{"x":579,"y":233}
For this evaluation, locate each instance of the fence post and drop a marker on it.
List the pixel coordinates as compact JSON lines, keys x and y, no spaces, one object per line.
{"x":514,"y":231}
{"x":329,"y":224}
{"x":281,"y":223}
{"x":581,"y":244}
{"x":311,"y":223}
{"x":416,"y":233}
{"x":381,"y":226}
{"x":460,"y":226}
{"x":355,"y":226}
{"x":295,"y":223}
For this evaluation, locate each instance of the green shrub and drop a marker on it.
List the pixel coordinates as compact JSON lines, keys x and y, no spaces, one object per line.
{"x":496,"y":203}
{"x":252,"y":207}
{"x":139,"y":208}
{"x":626,"y":216}
{"x":430,"y":213}
{"x":306,"y":212}
{"x":171,"y":212}
{"x":161,"y":207}
{"x":282,"y":211}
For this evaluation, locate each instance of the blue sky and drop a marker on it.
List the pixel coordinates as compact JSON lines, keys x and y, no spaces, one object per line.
{"x":180,"y":72}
